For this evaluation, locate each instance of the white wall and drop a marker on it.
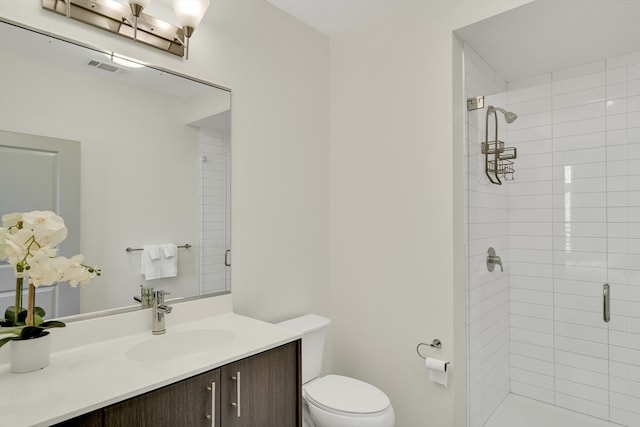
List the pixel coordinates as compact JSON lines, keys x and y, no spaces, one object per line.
{"x":392,"y":204}
{"x":279,"y":73}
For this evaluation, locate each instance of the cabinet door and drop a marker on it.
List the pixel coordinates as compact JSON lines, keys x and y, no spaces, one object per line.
{"x":263,"y":390}
{"x":187,"y":403}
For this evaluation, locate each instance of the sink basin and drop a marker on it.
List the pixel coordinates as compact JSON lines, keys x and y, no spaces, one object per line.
{"x":182,"y":344}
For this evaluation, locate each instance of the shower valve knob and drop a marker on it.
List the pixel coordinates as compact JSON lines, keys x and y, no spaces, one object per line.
{"x":493,"y":259}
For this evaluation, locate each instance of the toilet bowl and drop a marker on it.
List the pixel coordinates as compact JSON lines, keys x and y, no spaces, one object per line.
{"x":335,"y":400}
{"x":338,"y":401}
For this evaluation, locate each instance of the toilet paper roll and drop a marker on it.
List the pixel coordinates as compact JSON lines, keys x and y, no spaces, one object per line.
{"x":437,"y":370}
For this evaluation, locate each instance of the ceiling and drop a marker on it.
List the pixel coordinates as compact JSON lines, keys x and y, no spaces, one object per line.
{"x":548,"y":35}
{"x":333,"y":16}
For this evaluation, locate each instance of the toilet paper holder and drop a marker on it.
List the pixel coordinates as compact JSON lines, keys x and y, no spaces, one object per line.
{"x":436,"y":343}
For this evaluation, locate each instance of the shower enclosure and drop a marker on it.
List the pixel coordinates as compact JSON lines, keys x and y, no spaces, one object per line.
{"x":561,"y":323}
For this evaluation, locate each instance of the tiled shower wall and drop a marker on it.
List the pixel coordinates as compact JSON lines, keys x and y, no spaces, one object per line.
{"x":574,"y":224}
{"x":215,"y":211}
{"x":571,"y":222}
{"x":488,"y":297}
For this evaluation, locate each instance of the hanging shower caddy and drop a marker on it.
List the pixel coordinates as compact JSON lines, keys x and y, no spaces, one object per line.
{"x":498,"y":159}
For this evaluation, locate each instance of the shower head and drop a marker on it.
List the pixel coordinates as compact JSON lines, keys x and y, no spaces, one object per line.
{"x":508,"y":115}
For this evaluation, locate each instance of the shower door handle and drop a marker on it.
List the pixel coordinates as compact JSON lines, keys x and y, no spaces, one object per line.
{"x":606,"y":309}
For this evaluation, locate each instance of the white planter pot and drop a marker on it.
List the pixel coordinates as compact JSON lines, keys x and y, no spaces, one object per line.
{"x":29,"y":355}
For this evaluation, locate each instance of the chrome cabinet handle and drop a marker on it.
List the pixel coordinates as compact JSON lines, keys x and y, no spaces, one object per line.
{"x":227,"y":263}
{"x":237,"y":402}
{"x":606,"y":308}
{"x":212,"y":417}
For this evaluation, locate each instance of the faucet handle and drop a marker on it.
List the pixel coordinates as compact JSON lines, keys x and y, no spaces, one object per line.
{"x":493,"y":259}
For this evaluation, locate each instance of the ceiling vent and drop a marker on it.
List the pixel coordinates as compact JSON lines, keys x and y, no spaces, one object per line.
{"x":103,"y":66}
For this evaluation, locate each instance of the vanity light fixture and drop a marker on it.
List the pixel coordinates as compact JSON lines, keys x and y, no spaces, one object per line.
{"x":131,"y":22}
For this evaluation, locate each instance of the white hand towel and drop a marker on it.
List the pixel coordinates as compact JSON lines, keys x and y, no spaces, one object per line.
{"x":151,"y":263}
{"x":169,"y":260}
{"x":169,"y":250}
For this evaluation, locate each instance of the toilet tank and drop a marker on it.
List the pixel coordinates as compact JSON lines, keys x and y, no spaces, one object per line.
{"x":314,"y":329}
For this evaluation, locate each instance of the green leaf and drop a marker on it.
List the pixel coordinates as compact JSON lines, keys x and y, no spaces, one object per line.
{"x":39,"y":311}
{"x":52,"y":324}
{"x":10,"y":312}
{"x":29,"y":332}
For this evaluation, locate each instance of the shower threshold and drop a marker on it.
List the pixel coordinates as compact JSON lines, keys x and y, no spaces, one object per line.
{"x":518,"y":411}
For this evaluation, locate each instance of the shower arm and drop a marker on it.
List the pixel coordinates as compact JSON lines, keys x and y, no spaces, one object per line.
{"x":495,"y":153}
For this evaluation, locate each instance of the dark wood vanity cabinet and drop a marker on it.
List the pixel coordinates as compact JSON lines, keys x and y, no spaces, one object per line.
{"x":187,"y":403}
{"x":263,"y":390}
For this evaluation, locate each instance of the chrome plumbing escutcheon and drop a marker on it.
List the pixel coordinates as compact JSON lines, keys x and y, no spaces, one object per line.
{"x":493,"y":259}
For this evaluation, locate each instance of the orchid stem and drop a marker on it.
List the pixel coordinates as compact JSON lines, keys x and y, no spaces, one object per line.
{"x":17,"y":305}
{"x":32,"y":304}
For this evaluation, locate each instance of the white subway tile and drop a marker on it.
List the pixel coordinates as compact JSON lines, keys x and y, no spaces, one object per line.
{"x":581,"y":376}
{"x":580,"y":229}
{"x":533,"y":351}
{"x":578,"y":214}
{"x":533,"y":392}
{"x":595,"y":409}
{"x":615,"y":91}
{"x":581,"y":361}
{"x":579,"y":142}
{"x":534,"y":256}
{"x":617,"y":75}
{"x":579,"y":112}
{"x":578,"y":83}
{"x":617,"y":106}
{"x":577,"y":316}
{"x":579,"y":127}
{"x":533,"y":378}
{"x":587,"y":96}
{"x":532,"y":364}
{"x":531,"y":324}
{"x":531,"y":310}
{"x":568,"y":243}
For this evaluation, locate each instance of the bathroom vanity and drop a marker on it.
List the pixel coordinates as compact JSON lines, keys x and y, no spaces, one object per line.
{"x":218,"y":370}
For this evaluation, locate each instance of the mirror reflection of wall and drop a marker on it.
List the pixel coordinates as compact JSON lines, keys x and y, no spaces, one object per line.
{"x":142,"y":133}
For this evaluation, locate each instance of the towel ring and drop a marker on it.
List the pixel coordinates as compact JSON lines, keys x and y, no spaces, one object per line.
{"x":436,"y":343}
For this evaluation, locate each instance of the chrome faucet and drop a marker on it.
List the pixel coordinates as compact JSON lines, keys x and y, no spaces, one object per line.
{"x":158,"y":312}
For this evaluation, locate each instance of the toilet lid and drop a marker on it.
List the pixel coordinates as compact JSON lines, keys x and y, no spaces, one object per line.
{"x":346,"y":394}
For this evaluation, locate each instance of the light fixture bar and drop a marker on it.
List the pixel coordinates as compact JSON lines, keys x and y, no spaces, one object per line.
{"x":115,"y":18}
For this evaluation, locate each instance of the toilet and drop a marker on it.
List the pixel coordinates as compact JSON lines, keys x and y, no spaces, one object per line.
{"x":335,"y":400}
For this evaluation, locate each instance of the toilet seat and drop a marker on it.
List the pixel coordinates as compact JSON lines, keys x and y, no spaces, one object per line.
{"x":347,"y":396}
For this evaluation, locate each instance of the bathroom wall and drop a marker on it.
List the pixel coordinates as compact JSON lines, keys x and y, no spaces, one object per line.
{"x":397,"y":203}
{"x":487,"y":219}
{"x":278,"y":69}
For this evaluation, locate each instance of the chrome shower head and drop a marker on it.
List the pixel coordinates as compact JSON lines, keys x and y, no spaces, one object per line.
{"x":508,"y":115}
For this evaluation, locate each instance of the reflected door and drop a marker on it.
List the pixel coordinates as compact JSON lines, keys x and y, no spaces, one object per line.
{"x":40,"y":173}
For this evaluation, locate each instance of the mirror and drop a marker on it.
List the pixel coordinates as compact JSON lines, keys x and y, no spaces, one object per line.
{"x":152,"y":167}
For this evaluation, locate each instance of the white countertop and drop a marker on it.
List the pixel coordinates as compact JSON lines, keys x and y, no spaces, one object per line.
{"x":82,"y":378}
